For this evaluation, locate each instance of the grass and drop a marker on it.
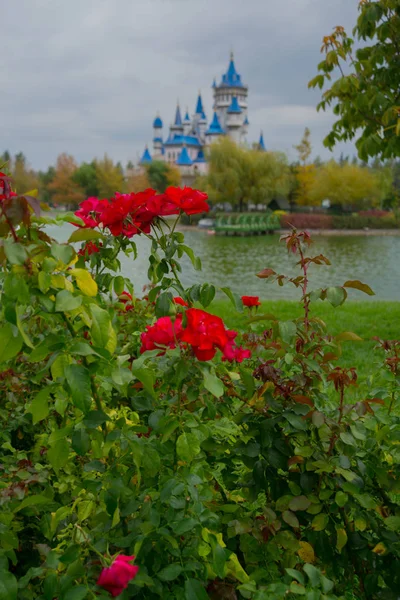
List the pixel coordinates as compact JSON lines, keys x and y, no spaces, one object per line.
{"x":366,"y":319}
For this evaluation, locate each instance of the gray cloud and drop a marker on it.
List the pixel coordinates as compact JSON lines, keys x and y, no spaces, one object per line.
{"x":87,"y":76}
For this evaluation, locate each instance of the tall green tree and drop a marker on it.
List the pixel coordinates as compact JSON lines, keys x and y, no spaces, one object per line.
{"x":86,"y":177}
{"x":24,"y":177}
{"x":109,"y":177}
{"x":364,"y":83}
{"x":239,"y":176}
{"x":161,"y":175}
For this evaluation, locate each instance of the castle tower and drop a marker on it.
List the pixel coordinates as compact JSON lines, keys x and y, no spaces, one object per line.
{"x":187,"y":124}
{"x":231,"y":86}
{"x":157,"y":135}
{"x":261,"y":145}
{"x":177,"y":127}
{"x":146,"y":157}
{"x":234,"y":120}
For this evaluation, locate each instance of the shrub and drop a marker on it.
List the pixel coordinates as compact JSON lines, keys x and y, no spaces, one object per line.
{"x":361,"y":222}
{"x":147,"y":451}
{"x":306,"y":221}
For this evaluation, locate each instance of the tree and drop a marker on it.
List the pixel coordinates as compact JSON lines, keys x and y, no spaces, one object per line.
{"x":365,"y":96}
{"x":45,"y":179}
{"x":86,"y":177}
{"x":63,"y":187}
{"x":346,"y":185}
{"x":161,"y":175}
{"x":305,"y":173}
{"x":239,"y":176}
{"x":24,"y":178}
{"x":137,"y":182}
{"x":109,"y":177}
{"x":304,"y":149}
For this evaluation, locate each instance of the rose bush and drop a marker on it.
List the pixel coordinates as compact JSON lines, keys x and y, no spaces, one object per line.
{"x":231,"y":465}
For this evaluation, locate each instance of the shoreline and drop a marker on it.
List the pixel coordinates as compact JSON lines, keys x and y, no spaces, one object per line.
{"x":327,"y":232}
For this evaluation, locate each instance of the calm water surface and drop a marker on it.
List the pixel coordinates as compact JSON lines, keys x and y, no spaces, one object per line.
{"x":234,"y":261}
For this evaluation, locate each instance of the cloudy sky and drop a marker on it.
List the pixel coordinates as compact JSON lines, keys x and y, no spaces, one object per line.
{"x":87,"y":76}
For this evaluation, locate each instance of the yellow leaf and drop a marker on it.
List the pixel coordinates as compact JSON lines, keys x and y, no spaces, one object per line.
{"x":306,"y":552}
{"x":58,"y":282}
{"x":85,"y":281}
{"x":360,"y":524}
{"x":341,"y":539}
{"x":234,"y":568}
{"x":379,"y":549}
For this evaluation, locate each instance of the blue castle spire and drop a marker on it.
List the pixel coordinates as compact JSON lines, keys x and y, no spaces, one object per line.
{"x":187,"y":118}
{"x":232,"y":77}
{"x":234,"y":107}
{"x":158,"y":122}
{"x":184,"y":158}
{"x":199,"y":106}
{"x":146,"y":157}
{"x":261,"y":144}
{"x":215,"y":126}
{"x":178,"y":118}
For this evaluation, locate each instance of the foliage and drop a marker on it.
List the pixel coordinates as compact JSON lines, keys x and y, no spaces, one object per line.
{"x":227,"y":477}
{"x":86,"y":176}
{"x":360,"y":222}
{"x":365,"y":96}
{"x":304,"y":148}
{"x":306,"y":176}
{"x":346,"y":185}
{"x":24,"y":177}
{"x":239,"y":176}
{"x":63,"y":188}
{"x":307,"y":221}
{"x":109,"y":177}
{"x":161,"y":175}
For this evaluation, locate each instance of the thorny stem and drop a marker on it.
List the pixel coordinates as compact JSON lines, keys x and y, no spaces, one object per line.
{"x":306,"y":300}
{"x":391,"y":402}
{"x":15,"y":237}
{"x":341,"y":405}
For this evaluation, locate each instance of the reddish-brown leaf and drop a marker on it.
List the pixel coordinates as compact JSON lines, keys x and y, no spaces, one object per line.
{"x":265,"y":273}
{"x":358,"y":285}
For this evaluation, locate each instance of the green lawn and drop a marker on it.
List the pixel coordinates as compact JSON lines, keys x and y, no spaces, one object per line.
{"x":366,"y":319}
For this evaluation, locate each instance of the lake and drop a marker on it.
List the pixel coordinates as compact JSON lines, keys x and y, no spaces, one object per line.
{"x":234,"y":261}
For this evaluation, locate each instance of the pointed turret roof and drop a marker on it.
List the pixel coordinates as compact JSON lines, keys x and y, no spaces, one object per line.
{"x":234,"y":107}
{"x":187,"y":118}
{"x":158,"y":122}
{"x":261,"y":144}
{"x":184,"y":158}
{"x":199,"y":105}
{"x":215,"y":127}
{"x":200,"y":157}
{"x":231,"y":76}
{"x":246,"y":121}
{"x":146,"y":157}
{"x":214,"y":84}
{"x":178,"y":118}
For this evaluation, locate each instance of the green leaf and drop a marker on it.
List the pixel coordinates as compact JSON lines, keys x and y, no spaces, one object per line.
{"x":207,"y":294}
{"x":393,"y":523}
{"x":213,"y":384}
{"x":234,"y":298}
{"x":10,"y":342}
{"x":170,"y":573}
{"x":39,"y":407}
{"x":62,"y":252}
{"x":103,"y":334}
{"x":313,"y":574}
{"x":299,"y":503}
{"x":78,"y":592}
{"x":320,"y":522}
{"x":16,"y":288}
{"x":145,"y":376}
{"x":66,"y":301}
{"x":187,"y":446}
{"x":9,"y":586}
{"x":84,"y":235}
{"x":78,"y":379}
{"x":287,"y":331}
{"x":195,"y":260}
{"x":297,"y":588}
{"x":341,"y":539}
{"x":291,"y":519}
{"x":20,"y":313}
{"x":357,"y":285}
{"x":194,"y":590}
{"x":163,"y":304}
{"x":15,"y":252}
{"x":80,"y":441}
{"x":44,"y":282}
{"x":32,"y":501}
{"x":248,"y":382}
{"x":119,"y":285}
{"x":336,"y":295}
{"x":341,"y":499}
{"x":295,"y":575}
{"x":58,"y":455}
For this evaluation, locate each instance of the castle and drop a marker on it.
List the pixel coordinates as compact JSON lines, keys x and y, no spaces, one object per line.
{"x":188,"y":137}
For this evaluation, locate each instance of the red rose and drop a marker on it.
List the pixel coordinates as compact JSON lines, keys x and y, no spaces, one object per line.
{"x":163,"y":334}
{"x":125,"y":297}
{"x":90,"y":211}
{"x":180,"y":301}
{"x":115,"y":578}
{"x":251,"y":301}
{"x":188,"y":200}
{"x":205,"y":333}
{"x":89,"y":248}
